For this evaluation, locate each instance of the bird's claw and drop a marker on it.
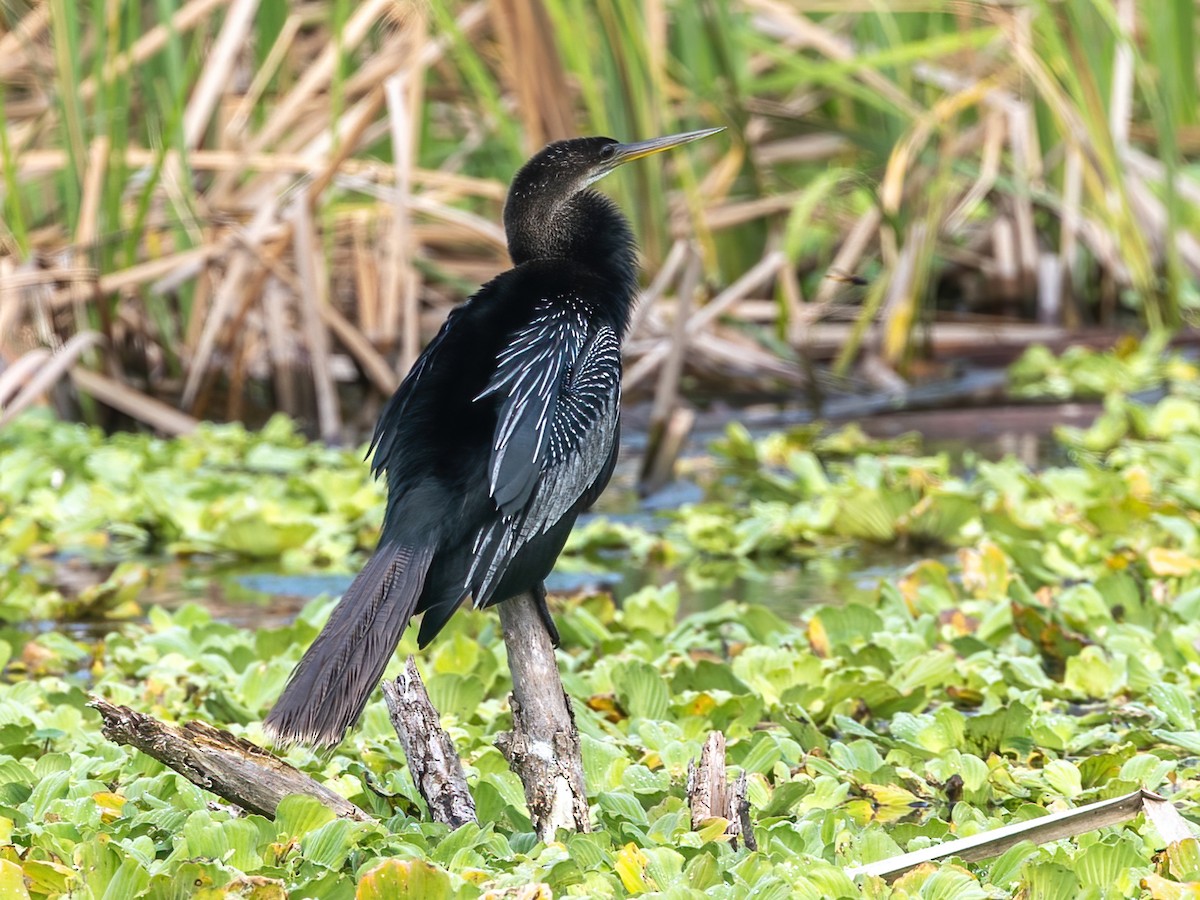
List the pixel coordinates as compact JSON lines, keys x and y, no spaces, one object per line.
{"x":539,"y":596}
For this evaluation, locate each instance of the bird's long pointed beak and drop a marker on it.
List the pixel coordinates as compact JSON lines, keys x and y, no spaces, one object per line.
{"x":628,"y":152}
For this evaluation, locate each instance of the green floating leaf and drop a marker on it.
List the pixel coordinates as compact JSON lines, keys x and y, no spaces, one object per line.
{"x":1007,"y":729}
{"x":455,"y":695}
{"x":1107,"y":865}
{"x":872,"y":514}
{"x":1050,"y":881}
{"x":1095,"y":674}
{"x":235,"y":841}
{"x":842,"y":627}
{"x":298,"y":814}
{"x":942,"y":883}
{"x":1176,"y":703}
{"x":330,"y":844}
{"x":652,"y":609}
{"x":641,"y":690}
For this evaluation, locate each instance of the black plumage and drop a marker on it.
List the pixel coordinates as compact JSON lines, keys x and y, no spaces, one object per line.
{"x":503,"y":432}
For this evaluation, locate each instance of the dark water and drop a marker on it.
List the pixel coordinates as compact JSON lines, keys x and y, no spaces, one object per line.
{"x":255,"y":599}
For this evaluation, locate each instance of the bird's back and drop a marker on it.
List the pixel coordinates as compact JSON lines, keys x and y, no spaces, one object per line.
{"x":440,"y":426}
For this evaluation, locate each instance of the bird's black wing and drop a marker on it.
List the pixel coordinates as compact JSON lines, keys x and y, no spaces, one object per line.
{"x":561,"y":382}
{"x":388,"y":429}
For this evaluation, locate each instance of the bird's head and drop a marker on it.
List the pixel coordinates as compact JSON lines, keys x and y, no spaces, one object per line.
{"x":542,"y":215}
{"x":567,"y":167}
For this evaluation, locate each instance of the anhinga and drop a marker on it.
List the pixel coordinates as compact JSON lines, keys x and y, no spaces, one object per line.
{"x":503,"y":432}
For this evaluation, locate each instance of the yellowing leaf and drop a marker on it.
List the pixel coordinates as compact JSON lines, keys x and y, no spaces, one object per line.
{"x":110,"y":805}
{"x":860,"y":811}
{"x":700,"y":705}
{"x":891,"y":795}
{"x":475,"y":876}
{"x":1140,"y":487}
{"x":910,"y":588}
{"x":1164,"y":889}
{"x":891,"y":801}
{"x":606,"y":705}
{"x":713,"y":829}
{"x":1165,"y":563}
{"x":818,"y":638}
{"x":985,"y":572}
{"x":539,"y":891}
{"x":247,"y":887}
{"x":44,"y":876}
{"x":631,"y":867}
{"x":404,"y":879}
{"x":12,"y":881}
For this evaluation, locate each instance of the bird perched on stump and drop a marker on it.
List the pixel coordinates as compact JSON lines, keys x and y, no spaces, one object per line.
{"x":504,"y":431}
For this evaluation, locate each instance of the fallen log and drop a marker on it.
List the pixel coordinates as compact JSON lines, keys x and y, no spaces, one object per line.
{"x":217,"y":761}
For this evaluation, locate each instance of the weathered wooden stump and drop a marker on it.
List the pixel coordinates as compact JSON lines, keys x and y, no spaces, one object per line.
{"x":711,"y":795}
{"x":432,"y":759}
{"x":543,"y":747}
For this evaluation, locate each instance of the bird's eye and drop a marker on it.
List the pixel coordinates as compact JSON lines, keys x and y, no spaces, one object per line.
{"x":607,"y":151}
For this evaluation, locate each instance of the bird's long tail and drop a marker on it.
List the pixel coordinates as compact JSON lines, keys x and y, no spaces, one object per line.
{"x":329,"y":688}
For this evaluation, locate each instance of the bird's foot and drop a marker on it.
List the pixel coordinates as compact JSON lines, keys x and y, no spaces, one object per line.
{"x":539,"y":596}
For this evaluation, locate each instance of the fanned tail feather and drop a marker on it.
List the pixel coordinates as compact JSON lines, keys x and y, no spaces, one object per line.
{"x":329,"y":688}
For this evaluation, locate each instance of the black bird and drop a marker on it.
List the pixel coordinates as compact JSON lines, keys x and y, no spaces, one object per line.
{"x":503,"y":432}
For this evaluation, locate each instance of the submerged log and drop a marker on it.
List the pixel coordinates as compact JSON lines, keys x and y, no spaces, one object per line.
{"x":217,"y":761}
{"x":432,"y":759}
{"x":543,"y":747}
{"x":711,"y":795}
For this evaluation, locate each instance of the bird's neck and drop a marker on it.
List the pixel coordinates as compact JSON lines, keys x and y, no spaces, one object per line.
{"x":587,"y":228}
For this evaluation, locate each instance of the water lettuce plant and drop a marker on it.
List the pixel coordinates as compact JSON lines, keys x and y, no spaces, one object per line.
{"x":1040,"y":649}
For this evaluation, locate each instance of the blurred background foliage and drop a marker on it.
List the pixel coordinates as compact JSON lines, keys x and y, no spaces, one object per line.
{"x":239,"y":206}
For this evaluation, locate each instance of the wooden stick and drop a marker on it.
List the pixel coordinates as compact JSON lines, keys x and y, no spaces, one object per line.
{"x":543,"y":747}
{"x":34,"y":373}
{"x":667,"y":439}
{"x":1041,"y":830}
{"x":28,"y":30}
{"x":215,"y":760}
{"x":218,"y":71}
{"x":762,"y":272}
{"x":132,"y":402}
{"x":432,"y":759}
{"x":706,"y":784}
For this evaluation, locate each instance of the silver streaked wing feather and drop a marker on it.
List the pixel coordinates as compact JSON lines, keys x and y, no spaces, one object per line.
{"x":530,"y":373}
{"x":554,"y":435}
